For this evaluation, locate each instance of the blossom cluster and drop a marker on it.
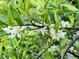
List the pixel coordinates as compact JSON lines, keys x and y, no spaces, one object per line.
{"x":56,"y":35}
{"x":14,"y":31}
{"x":65,"y":24}
{"x":53,"y":48}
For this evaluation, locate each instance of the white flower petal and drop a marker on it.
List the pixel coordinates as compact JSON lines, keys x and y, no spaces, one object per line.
{"x":18,"y":35}
{"x":65,"y":24}
{"x":11,"y":36}
{"x":6,"y":30}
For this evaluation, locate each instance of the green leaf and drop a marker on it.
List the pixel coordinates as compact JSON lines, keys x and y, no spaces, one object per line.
{"x":11,"y":20}
{"x":77,"y":44}
{"x":34,"y":14}
{"x":13,"y":57}
{"x":27,"y":4}
{"x":13,"y":3}
{"x":23,"y":12}
{"x":63,"y":42}
{"x":16,"y":16}
{"x":21,"y":4}
{"x":4,"y":18}
{"x":69,"y":7}
{"x":77,"y":3}
{"x":71,"y":18}
{"x":34,"y":3}
{"x":57,"y":22}
{"x":47,"y":55}
{"x":4,"y":40}
{"x":2,"y":33}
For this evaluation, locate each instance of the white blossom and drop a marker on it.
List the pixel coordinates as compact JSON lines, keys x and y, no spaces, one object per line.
{"x":77,"y":33}
{"x":23,"y":27}
{"x":42,"y":30}
{"x":61,"y":34}
{"x":72,"y":48}
{"x":11,"y":36}
{"x":69,"y":56}
{"x":18,"y":35}
{"x":53,"y":47}
{"x":6,"y":30}
{"x":52,"y":31}
{"x":65,"y":24}
{"x":57,"y":35}
{"x":57,"y":38}
{"x":13,"y":31}
{"x":10,"y":58}
{"x":52,"y":25}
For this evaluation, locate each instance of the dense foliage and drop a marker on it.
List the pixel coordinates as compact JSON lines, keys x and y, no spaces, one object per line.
{"x":39,"y":29}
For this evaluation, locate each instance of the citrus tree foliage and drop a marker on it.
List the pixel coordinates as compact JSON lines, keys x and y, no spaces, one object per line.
{"x":39,"y":29}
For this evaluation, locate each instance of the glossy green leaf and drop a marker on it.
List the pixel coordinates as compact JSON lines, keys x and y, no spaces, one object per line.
{"x":2,"y":33}
{"x":70,"y":7}
{"x":4,"y":18}
{"x":57,"y":22}
{"x":16,"y":16}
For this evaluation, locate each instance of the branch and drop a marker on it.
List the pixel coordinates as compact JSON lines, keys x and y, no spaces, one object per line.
{"x":71,"y":44}
{"x":35,"y":25}
{"x":44,"y":51}
{"x":42,"y":26}
{"x":73,"y":53}
{"x":71,"y":28}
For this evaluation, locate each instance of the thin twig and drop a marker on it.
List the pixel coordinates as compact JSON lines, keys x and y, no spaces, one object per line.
{"x":44,"y":51}
{"x":33,"y":24}
{"x":42,"y":26}
{"x":71,"y":44}
{"x":73,"y":53}
{"x":71,"y":28}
